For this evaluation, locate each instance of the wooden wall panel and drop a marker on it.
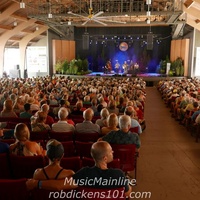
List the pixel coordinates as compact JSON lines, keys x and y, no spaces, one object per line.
{"x":63,"y":49}
{"x":172,"y":50}
{"x":184,"y":54}
{"x":178,"y":49}
{"x":72,"y":50}
{"x":56,"y":51}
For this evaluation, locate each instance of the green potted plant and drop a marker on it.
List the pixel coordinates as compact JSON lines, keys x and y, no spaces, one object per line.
{"x":178,"y":67}
{"x":65,"y":66}
{"x":58,"y":67}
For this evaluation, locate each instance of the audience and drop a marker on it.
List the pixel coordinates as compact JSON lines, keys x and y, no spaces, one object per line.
{"x":4,"y":147}
{"x":23,"y":146}
{"x":102,"y":154}
{"x":102,"y":121}
{"x":49,"y":119}
{"x":182,"y":96}
{"x":87,"y":126}
{"x":62,"y":125}
{"x":53,"y":170}
{"x":38,"y":122}
{"x":112,"y":107}
{"x":8,"y":109}
{"x":134,"y":123}
{"x":112,"y":124}
{"x":123,"y":135}
{"x":27,"y":113}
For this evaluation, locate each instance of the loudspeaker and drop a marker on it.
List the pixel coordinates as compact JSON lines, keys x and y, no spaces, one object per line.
{"x":150,"y":41}
{"x":85,"y":38}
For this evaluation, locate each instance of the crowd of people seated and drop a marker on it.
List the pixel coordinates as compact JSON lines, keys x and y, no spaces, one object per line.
{"x":109,"y":107}
{"x":183,"y":98}
{"x":40,"y":99}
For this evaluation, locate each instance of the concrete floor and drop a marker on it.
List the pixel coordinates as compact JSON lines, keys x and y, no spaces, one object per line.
{"x":169,"y":162}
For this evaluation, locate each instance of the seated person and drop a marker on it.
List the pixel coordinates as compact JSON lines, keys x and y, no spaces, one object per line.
{"x":27,"y":113}
{"x":49,"y":119}
{"x":8,"y":109}
{"x":38,"y":122}
{"x":112,"y":107}
{"x":112,"y":122}
{"x":102,"y":154}
{"x":62,"y":125}
{"x":4,"y":147}
{"x":87,"y":126}
{"x":123,"y":135}
{"x":104,"y":114}
{"x":53,"y":170}
{"x":78,"y":108}
{"x":23,"y":146}
{"x":94,"y":106}
{"x":129,"y":110}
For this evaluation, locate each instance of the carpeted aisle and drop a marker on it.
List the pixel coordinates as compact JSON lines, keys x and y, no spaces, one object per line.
{"x":169,"y":162}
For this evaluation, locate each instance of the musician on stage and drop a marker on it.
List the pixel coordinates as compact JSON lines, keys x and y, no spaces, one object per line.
{"x":108,"y":66}
{"x":117,"y":66}
{"x":136,"y":68}
{"x":125,"y":67}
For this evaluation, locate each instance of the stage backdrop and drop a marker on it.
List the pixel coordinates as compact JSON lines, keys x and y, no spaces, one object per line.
{"x":146,"y":46}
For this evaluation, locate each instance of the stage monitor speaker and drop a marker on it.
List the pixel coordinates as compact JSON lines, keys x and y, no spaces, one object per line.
{"x":150,"y":41}
{"x":85,"y":38}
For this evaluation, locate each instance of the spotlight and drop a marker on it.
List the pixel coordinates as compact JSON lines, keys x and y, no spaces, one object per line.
{"x":15,"y":23}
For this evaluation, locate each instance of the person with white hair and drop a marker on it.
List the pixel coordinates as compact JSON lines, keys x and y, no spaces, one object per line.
{"x":62,"y":125}
{"x":87,"y":126}
{"x":123,"y":135}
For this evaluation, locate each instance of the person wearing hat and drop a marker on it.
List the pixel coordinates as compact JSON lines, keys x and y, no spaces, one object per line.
{"x":53,"y":170}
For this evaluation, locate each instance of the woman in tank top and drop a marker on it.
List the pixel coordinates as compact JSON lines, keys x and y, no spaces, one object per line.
{"x":53,"y":170}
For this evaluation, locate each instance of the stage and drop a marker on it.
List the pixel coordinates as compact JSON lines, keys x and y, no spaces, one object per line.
{"x":150,"y":78}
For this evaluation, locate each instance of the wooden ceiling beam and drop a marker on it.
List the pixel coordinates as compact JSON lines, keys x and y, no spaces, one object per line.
{"x":21,"y":18}
{"x":6,"y":27}
{"x":9,"y":11}
{"x":188,"y":3}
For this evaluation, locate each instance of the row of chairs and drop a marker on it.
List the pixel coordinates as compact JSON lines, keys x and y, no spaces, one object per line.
{"x":16,"y":167}
{"x":186,"y":120}
{"x":16,"y":189}
{"x":64,"y":136}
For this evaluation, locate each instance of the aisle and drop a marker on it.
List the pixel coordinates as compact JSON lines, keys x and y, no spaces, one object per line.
{"x":169,"y":162}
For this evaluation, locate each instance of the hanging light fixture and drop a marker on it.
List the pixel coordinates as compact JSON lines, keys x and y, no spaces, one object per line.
{"x":22,"y":4}
{"x":50,"y":16}
{"x":15,"y":23}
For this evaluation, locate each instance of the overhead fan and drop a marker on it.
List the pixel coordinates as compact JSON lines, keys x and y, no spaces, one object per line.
{"x":95,"y":17}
